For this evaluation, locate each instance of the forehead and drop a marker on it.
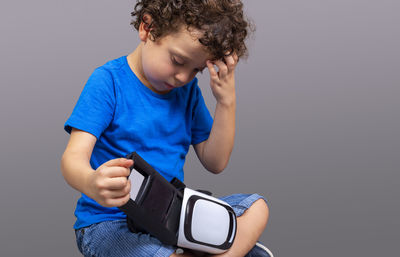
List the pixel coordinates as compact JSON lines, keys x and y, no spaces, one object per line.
{"x":186,"y":42}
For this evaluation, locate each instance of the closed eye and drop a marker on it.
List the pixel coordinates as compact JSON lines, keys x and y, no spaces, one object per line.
{"x":174,"y":61}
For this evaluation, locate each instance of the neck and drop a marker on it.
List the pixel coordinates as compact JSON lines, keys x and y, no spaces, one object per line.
{"x":135,"y":63}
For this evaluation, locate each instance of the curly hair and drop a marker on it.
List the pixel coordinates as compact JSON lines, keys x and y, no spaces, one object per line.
{"x":222,"y":22}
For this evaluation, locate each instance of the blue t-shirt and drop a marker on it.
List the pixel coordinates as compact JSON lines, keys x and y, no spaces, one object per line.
{"x":125,"y":116}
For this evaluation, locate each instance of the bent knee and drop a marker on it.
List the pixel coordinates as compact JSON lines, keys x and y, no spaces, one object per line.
{"x":261,"y":209}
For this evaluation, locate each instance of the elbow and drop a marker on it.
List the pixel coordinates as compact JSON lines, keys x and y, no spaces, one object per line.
{"x":217,"y":168}
{"x":214,"y":162}
{"x":62,"y":164}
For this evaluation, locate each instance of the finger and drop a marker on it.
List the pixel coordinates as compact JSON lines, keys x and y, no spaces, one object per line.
{"x":116,"y":183}
{"x":211,"y":69}
{"x":114,"y":172}
{"x":123,"y":200}
{"x":117,"y":202}
{"x":235,"y":57}
{"x":230,"y":62}
{"x":109,"y":195}
{"x":122,"y":162}
{"x":222,"y":68}
{"x":113,"y":194}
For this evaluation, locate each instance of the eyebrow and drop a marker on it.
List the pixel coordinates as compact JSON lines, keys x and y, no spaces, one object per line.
{"x":174,"y":52}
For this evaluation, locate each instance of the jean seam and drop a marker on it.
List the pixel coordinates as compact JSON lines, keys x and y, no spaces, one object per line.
{"x":85,"y":245}
{"x":246,"y":203}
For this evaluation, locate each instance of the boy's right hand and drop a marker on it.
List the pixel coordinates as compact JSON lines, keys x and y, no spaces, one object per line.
{"x":109,"y":184}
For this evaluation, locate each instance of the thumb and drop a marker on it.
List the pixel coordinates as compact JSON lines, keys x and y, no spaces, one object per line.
{"x":121,"y":162}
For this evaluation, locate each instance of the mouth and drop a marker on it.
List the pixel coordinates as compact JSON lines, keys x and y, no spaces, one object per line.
{"x":169,"y":86}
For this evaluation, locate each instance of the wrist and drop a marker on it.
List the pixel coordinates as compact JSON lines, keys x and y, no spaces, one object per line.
{"x":227,"y":103}
{"x":88,"y":179}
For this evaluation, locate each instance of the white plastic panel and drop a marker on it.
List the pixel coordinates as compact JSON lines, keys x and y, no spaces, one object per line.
{"x":136,"y":182}
{"x":210,"y":223}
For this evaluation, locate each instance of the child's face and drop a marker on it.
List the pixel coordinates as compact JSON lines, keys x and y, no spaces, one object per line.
{"x":172,"y":61}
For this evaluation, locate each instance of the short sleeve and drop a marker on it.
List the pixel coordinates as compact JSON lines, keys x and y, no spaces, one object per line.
{"x":202,"y":120}
{"x":95,"y":108}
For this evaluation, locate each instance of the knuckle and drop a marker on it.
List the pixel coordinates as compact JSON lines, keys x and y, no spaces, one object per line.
{"x":101,"y":202}
{"x":100,"y":171}
{"x":120,"y":183}
{"x":99,"y":184}
{"x":107,"y":203}
{"x":103,"y":172}
{"x":126,"y":199}
{"x":128,"y":185}
{"x":103,"y":194}
{"x":124,"y":182}
{"x":122,"y":201}
{"x":125,"y":171}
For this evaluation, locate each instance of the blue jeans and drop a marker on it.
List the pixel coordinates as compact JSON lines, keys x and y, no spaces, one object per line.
{"x":113,"y":238}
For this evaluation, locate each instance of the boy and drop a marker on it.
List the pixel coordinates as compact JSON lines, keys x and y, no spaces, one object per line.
{"x":149,"y":102}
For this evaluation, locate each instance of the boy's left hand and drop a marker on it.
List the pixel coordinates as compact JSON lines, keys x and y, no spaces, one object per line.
{"x":223,"y":82}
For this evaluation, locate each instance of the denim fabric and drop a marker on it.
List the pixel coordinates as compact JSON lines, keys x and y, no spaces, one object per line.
{"x":113,"y":238}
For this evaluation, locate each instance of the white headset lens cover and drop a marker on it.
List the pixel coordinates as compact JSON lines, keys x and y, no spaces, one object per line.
{"x":210,"y":223}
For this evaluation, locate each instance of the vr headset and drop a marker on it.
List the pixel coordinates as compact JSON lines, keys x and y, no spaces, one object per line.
{"x":175,"y":214}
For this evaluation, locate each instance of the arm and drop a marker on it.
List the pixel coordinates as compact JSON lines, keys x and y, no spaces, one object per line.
{"x":214,"y":153}
{"x":108,"y":185}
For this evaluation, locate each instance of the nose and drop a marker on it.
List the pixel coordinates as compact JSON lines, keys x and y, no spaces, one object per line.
{"x":182,"y":77}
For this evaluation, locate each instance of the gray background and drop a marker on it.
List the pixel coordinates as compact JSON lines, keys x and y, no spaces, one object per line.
{"x":318,"y":129}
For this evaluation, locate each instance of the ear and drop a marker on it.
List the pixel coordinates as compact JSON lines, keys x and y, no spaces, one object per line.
{"x":145,"y":27}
